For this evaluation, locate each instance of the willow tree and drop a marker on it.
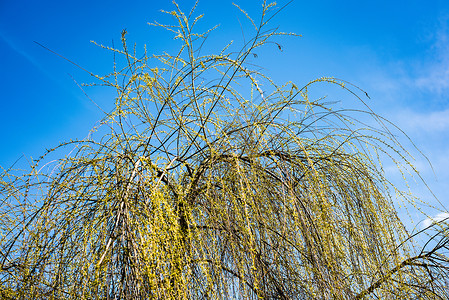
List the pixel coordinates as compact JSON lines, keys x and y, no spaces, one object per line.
{"x":210,"y":181}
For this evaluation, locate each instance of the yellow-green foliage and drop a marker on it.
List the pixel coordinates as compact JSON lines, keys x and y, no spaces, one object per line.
{"x":203,"y":186}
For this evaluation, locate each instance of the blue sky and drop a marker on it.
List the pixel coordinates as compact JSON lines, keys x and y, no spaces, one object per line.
{"x":398,"y":51}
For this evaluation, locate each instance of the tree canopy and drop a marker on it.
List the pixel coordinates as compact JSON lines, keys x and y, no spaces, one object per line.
{"x":209,"y":180}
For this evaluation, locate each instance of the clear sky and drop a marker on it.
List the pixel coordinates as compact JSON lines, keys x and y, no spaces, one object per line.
{"x":398,"y":51}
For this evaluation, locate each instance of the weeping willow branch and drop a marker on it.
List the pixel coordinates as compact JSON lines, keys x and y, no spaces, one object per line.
{"x":208,"y":180}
